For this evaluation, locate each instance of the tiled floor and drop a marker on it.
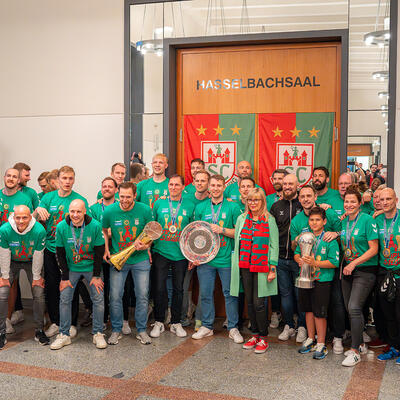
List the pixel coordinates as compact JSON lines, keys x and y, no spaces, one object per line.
{"x":173,"y":368}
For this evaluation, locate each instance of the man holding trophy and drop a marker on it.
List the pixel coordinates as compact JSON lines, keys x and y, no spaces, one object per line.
{"x":126,"y":220}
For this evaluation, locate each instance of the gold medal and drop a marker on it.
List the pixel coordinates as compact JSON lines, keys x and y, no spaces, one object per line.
{"x":386,"y":252}
{"x":172,"y":228}
{"x":347,"y":253}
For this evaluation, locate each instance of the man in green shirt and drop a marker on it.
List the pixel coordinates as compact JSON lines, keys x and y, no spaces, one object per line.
{"x":173,"y":213}
{"x":10,"y":196}
{"x":24,"y":178}
{"x":42,"y":182}
{"x":21,"y":248}
{"x":243,"y":170}
{"x":245,"y":185}
{"x":200,"y":182}
{"x":52,"y":210}
{"x":197,"y":164}
{"x":326,"y":197}
{"x":126,"y":220}
{"x":150,"y":190}
{"x":118,"y":173}
{"x":277,"y":180}
{"x":222,"y":216}
{"x":80,"y":250}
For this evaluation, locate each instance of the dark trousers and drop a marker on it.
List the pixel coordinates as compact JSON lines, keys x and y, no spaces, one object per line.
{"x":356,"y":289}
{"x":52,"y":277}
{"x":337,"y":310}
{"x":18,"y":300}
{"x":160,"y":268}
{"x":255,"y":304}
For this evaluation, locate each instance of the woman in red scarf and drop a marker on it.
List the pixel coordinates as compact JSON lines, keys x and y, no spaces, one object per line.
{"x":258,"y":258}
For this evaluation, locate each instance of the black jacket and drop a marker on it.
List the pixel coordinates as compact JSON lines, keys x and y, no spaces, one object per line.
{"x":284,"y":211}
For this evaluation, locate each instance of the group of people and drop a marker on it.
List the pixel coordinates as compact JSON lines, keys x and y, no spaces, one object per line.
{"x":59,"y":241}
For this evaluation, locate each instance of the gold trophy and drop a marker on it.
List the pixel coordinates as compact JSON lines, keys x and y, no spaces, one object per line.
{"x":152,"y":231}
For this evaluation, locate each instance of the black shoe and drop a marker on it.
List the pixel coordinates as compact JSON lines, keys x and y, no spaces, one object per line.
{"x":3,"y":340}
{"x":41,"y":337}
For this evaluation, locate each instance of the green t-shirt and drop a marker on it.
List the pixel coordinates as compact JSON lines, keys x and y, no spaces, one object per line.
{"x":9,"y":202}
{"x":392,"y":261}
{"x":22,"y":246}
{"x":126,"y":226}
{"x":368,"y":208}
{"x":58,"y":208}
{"x":325,"y":251}
{"x":97,"y":211}
{"x":40,"y":195}
{"x":332,"y":197}
{"x":31,"y":194}
{"x":92,"y":236}
{"x":189,"y":189}
{"x":228,"y":215}
{"x":192,"y":197}
{"x":168,"y":244}
{"x":149,"y":191}
{"x":271,"y":199}
{"x":299,"y":223}
{"x":99,"y":195}
{"x":232,"y":193}
{"x":364,"y":230}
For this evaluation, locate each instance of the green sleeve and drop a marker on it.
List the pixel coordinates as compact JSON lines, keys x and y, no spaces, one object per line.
{"x":35,"y":200}
{"x":45,"y":202}
{"x":236,"y":212}
{"x":99,"y":238}
{"x":41,"y":240}
{"x":99,"y":195}
{"x":139,"y":192}
{"x":273,"y":253}
{"x":93,"y":212}
{"x":337,"y":223}
{"x":371,"y":229}
{"x":333,"y":253}
{"x":294,"y":229}
{"x":3,"y":239}
{"x":297,"y":251}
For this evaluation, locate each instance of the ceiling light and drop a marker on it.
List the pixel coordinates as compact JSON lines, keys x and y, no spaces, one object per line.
{"x":377,"y":38}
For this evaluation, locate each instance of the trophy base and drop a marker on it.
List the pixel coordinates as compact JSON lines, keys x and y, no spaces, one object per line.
{"x":304,"y":283}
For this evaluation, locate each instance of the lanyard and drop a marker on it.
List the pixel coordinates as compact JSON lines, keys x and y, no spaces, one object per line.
{"x":174,"y":215}
{"x":77,"y":244}
{"x":102,"y":204}
{"x":348,"y":233}
{"x":318,"y":241}
{"x":215,"y":216}
{"x":388,"y":232}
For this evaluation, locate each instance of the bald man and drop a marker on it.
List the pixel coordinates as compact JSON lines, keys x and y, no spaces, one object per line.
{"x":284,"y":211}
{"x":80,"y":250}
{"x":22,"y":241}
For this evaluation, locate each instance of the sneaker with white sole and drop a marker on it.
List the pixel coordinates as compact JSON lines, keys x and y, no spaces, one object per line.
{"x":52,"y":330}
{"x":41,"y":338}
{"x":17,"y":317}
{"x":301,"y":334}
{"x":126,"y":329}
{"x":337,"y":345}
{"x":178,"y":330}
{"x":73,"y":331}
{"x":307,"y":347}
{"x":261,"y":346}
{"x":9,"y":327}
{"x":287,"y":333}
{"x":351,"y":359}
{"x":363,"y":349}
{"x":61,"y":341}
{"x":235,"y":335}
{"x":158,"y":329}
{"x":143,"y":337}
{"x":321,"y":351}
{"x":197,"y":325}
{"x":202,"y":333}
{"x":275,"y":320}
{"x":114,"y":337}
{"x":99,"y":340}
{"x":366,"y":337}
{"x":251,"y":343}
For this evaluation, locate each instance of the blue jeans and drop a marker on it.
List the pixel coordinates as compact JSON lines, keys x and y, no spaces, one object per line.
{"x":66,"y":300}
{"x":288,"y":271}
{"x":207,"y":274}
{"x":141,"y":279}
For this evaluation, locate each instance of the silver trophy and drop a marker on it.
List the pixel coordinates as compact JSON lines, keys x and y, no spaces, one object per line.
{"x":306,"y":242}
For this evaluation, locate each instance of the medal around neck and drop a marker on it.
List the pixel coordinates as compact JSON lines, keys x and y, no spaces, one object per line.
{"x":386,"y":252}
{"x":199,"y":243}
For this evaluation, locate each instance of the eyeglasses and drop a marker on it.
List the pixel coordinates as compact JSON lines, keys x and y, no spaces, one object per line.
{"x":253,"y":200}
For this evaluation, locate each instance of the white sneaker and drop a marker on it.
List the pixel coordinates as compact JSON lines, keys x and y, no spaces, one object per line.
{"x":178,"y":330}
{"x":352,"y":359}
{"x":52,"y":330}
{"x":114,"y":337}
{"x":287,"y":333}
{"x":301,"y":334}
{"x":126,"y":329}
{"x":61,"y":341}
{"x":143,"y":337}
{"x":275,"y":320}
{"x":73,"y":331}
{"x":202,"y":333}
{"x":366,"y":337}
{"x":99,"y":341}
{"x":363,"y":349}
{"x":17,"y":317}
{"x":9,"y":327}
{"x":158,"y":329}
{"x":337,"y":345}
{"x":235,"y":335}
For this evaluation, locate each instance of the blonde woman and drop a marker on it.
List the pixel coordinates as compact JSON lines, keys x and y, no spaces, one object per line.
{"x":254,"y":261}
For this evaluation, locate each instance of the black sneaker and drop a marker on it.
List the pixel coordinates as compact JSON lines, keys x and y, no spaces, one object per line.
{"x":41,"y":337}
{"x":3,"y":340}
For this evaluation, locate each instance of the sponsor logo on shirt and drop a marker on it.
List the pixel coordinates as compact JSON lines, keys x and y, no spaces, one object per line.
{"x":14,"y":244}
{"x":165,"y":210}
{"x":157,"y":191}
{"x":53,"y":208}
{"x":118,"y":223}
{"x":149,"y":192}
{"x":70,"y":240}
{"x":136,"y":221}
